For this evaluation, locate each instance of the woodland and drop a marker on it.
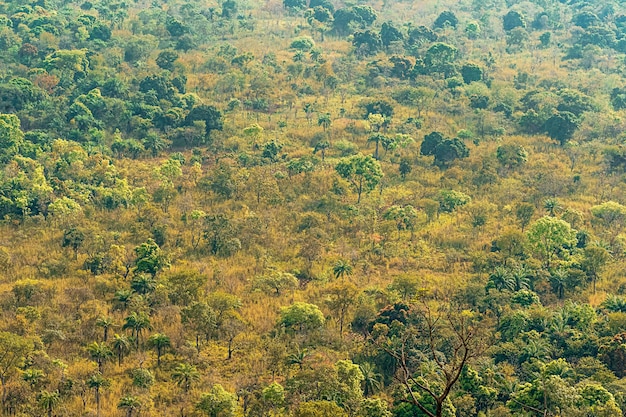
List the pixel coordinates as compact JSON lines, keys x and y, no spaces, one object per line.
{"x":313,"y":208}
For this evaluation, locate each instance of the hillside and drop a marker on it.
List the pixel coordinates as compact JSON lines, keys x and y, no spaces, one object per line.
{"x":312,"y":209}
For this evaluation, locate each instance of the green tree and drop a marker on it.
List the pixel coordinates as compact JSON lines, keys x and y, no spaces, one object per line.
{"x":97,"y":383}
{"x":150,"y":258}
{"x":551,"y":236}
{"x":160,"y":343}
{"x":594,"y":260}
{"x":185,"y":375}
{"x":325,"y":121}
{"x":524,"y":214}
{"x":276,"y":282}
{"x":471,"y":72}
{"x":513,"y":19}
{"x":13,"y":350}
{"x":449,"y":200}
{"x":362,"y":172}
{"x":301,"y":317}
{"x":105,"y":323}
{"x":217,"y":402}
{"x":166,"y":59}
{"x":100,"y":353}
{"x":137,"y":323}
{"x":561,"y":126}
{"x":371,"y":379}
{"x":440,"y":58}
{"x":48,"y":400}
{"x":129,"y":403}
{"x":199,"y":318}
{"x":121,"y":346}
{"x":342,"y":268}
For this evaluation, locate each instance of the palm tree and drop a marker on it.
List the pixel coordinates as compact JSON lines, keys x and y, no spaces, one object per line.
{"x":130,"y":403}
{"x":324,"y":121}
{"x":501,"y":280}
{"x":106,"y":323}
{"x":97,"y":382}
{"x":615,"y":304}
{"x":121,"y":346}
{"x":122,"y":299}
{"x":48,"y":400}
{"x":297,"y":358}
{"x":184,"y":375}
{"x":159,"y":342}
{"x":321,"y":146}
{"x":143,"y":284}
{"x":552,"y":206}
{"x":371,"y":378}
{"x":154,"y":143}
{"x":137,"y":322}
{"x":342,"y":268}
{"x":521,"y":278}
{"x":558,"y":279}
{"x":100,"y":353}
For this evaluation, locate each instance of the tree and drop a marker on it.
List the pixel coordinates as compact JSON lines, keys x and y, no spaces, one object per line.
{"x":342,"y":268}
{"x":301,"y":317}
{"x":276,"y":281}
{"x":594,"y":259}
{"x":13,"y":350}
{"x":325,"y":121}
{"x":166,"y":59}
{"x":612,"y":215}
{"x":449,"y":200}
{"x":551,"y":236}
{"x":143,"y":284}
{"x":447,"y":339}
{"x":121,"y":346}
{"x":137,"y":323}
{"x":130,"y":404}
{"x":106,"y":323}
{"x":367,"y":42}
{"x":100,"y":353}
{"x":11,"y":137}
{"x":371,"y":379}
{"x":524,"y":214}
{"x":513,"y":19}
{"x":362,"y":172}
{"x":389,"y":33}
{"x":294,"y":4}
{"x":159,"y":342}
{"x":150,"y":258}
{"x":321,"y":147}
{"x":48,"y":400}
{"x":211,"y":116}
{"x":199,"y":318}
{"x":511,"y":155}
{"x":97,"y":382}
{"x":471,"y":72}
{"x":446,"y":18}
{"x":217,"y":403}
{"x":340,"y":297}
{"x":440,"y":58}
{"x":73,"y":238}
{"x":377,"y":138}
{"x":185,"y":374}
{"x":561,"y":126}
{"x":319,"y":408}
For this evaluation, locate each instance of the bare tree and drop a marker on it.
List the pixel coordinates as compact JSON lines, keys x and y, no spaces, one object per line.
{"x":431,"y":350}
